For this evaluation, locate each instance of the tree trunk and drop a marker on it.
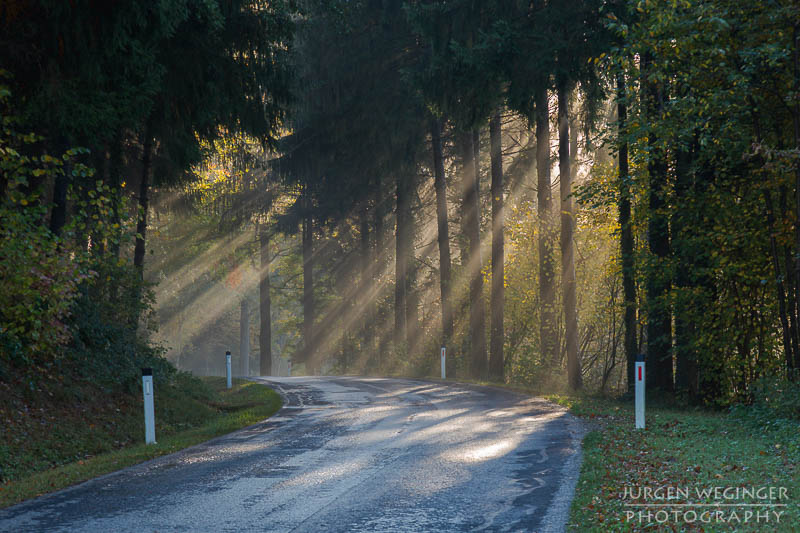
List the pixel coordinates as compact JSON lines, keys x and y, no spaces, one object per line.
{"x":706,"y":373}
{"x":378,"y":261}
{"x":412,"y":296}
{"x":3,"y":185}
{"x":58,"y":213}
{"x":787,"y":344}
{"x":440,"y":185}
{"x":473,"y":265}
{"x":309,"y":344}
{"x":496,"y":360}
{"x":378,"y":264}
{"x":547,"y":292}
{"x":626,"y":238}
{"x":790,"y":288}
{"x":144,"y":202}
{"x":401,"y":260}
{"x":265,"y":309}
{"x":115,"y":183}
{"x":659,"y":316}
{"x":567,"y":244}
{"x":793,"y":371}
{"x":244,"y":340}
{"x":685,"y":359}
{"x":365,"y":279}
{"x":770,"y":216}
{"x":117,"y":195}
{"x":104,"y":161}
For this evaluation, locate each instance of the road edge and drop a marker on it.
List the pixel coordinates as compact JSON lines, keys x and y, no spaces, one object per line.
{"x":138,"y":467}
{"x":556,"y":518}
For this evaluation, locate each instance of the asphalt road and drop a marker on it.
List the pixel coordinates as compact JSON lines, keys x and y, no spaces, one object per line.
{"x":345,"y":455}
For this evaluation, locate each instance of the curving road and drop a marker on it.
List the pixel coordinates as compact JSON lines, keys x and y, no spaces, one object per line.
{"x":345,"y":455}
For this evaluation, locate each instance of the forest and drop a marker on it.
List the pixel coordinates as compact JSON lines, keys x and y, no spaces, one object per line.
{"x":546,"y":188}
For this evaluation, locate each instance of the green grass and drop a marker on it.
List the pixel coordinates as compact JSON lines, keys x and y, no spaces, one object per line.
{"x":51,"y":446}
{"x":681,"y":448}
{"x":690,"y":449}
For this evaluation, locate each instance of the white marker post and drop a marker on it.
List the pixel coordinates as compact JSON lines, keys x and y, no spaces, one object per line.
{"x":228,"y":368}
{"x":149,"y":412}
{"x":444,"y":358}
{"x":289,"y":368}
{"x":639,"y":380}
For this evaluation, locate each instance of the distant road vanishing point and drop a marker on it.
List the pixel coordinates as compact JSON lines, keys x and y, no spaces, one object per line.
{"x":345,"y":455}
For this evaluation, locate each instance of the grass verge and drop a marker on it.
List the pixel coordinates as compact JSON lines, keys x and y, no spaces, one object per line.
{"x":49,"y":447}
{"x":684,"y":451}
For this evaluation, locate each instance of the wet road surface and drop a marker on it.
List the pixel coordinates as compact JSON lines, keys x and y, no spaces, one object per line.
{"x":345,"y":455}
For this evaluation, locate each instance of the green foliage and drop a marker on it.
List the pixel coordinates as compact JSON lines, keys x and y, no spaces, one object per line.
{"x":38,"y":286}
{"x":182,"y":71}
{"x":599,"y":288}
{"x":64,"y":306}
{"x":39,"y":274}
{"x":104,"y":346}
{"x":211,"y":81}
{"x":459,"y":70}
{"x":83,"y":71}
{"x":724,"y":77}
{"x":775,"y":399}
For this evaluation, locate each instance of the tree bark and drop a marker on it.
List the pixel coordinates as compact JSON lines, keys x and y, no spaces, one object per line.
{"x":659,"y":315}
{"x":144,"y":202}
{"x":685,"y":359}
{"x":793,"y":371}
{"x":412,"y":296}
{"x":787,"y":343}
{"x":473,"y":265}
{"x":706,"y":374}
{"x":116,"y":191}
{"x":365,"y":281}
{"x":58,"y":213}
{"x":244,"y":339}
{"x":547,"y":292}
{"x":104,"y":162}
{"x":440,"y":185}
{"x":567,"y":244}
{"x":496,"y":359}
{"x":790,"y":288}
{"x":309,"y":344}
{"x":378,"y":262}
{"x":770,"y":216}
{"x":626,"y":237}
{"x":401,"y":260}
{"x":265,"y":308}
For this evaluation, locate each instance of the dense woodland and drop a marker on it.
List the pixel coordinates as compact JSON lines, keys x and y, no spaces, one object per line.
{"x":546,"y":187}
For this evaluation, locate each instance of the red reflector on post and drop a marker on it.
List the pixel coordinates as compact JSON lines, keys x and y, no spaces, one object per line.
{"x":640,"y":373}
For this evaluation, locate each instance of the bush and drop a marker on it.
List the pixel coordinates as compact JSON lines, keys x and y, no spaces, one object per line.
{"x":66,"y":305}
{"x":779,"y":396}
{"x":107,"y":343}
{"x":774,"y":398}
{"x":39,"y":273}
